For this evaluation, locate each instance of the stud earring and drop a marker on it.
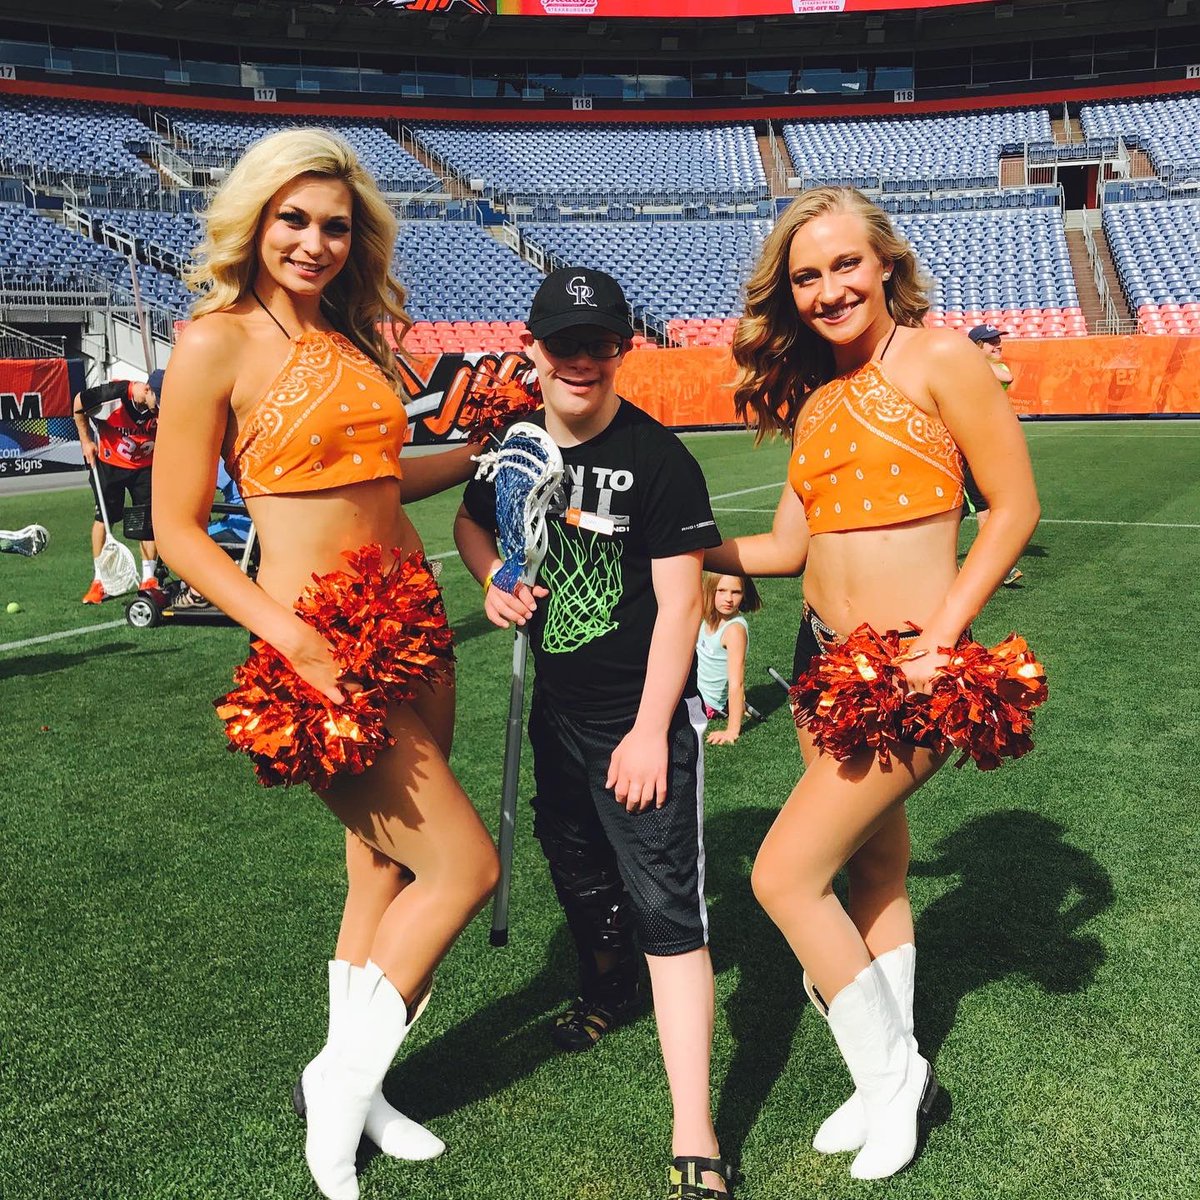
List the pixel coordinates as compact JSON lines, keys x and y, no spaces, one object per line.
{"x":887,"y":274}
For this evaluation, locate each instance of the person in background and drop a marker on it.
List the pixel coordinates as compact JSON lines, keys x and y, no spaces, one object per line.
{"x":721,"y":651}
{"x":117,"y":424}
{"x":988,"y":339}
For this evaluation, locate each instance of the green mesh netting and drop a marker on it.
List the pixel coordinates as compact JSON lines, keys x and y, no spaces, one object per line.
{"x":584,"y":577}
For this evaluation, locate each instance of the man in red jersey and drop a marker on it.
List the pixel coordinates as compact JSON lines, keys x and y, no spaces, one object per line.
{"x":117,"y":423}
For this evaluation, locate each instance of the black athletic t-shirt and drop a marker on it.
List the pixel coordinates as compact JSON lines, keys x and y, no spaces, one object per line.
{"x":632,"y":493}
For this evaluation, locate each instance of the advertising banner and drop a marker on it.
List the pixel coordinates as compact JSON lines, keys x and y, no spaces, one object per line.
{"x":659,"y":9}
{"x":693,"y":388}
{"x":37,"y":434}
{"x":708,"y":8}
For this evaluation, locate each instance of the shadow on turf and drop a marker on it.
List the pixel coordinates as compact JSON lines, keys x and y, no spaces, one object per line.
{"x":475,"y":625}
{"x":1023,"y":896}
{"x":496,"y":1046}
{"x":766,"y":1005}
{"x":46,"y":664}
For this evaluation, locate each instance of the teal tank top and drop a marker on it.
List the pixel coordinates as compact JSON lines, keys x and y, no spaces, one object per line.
{"x":712,"y":663}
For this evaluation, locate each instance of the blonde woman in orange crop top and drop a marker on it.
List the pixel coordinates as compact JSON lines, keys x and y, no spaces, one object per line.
{"x":882,"y":413}
{"x":283,"y":372}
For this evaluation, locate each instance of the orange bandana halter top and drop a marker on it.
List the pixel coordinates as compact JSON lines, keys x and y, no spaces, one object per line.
{"x":866,"y":456}
{"x":330,"y":418}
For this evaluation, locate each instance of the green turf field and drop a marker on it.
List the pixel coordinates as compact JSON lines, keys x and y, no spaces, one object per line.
{"x":166,"y":921}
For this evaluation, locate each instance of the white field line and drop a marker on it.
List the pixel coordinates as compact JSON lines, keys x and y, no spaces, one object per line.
{"x":1170,"y":437}
{"x":1044,"y":520}
{"x":1124,"y":524}
{"x":66,"y":633}
{"x":762,"y":487}
{"x":83,"y":629}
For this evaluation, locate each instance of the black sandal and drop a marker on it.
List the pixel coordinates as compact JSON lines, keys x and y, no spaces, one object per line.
{"x":582,"y":1025}
{"x":685,"y":1178}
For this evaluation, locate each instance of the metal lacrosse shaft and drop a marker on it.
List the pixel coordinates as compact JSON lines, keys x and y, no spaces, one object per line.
{"x":513,"y":736}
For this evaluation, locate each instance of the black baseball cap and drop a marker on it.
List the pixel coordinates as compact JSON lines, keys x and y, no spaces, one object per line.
{"x":155,"y":380}
{"x":573,"y":296}
{"x":985,"y":333}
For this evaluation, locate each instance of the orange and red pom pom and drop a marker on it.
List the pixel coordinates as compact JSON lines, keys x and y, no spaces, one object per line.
{"x":852,"y":695}
{"x":385,"y":624}
{"x":293,"y":733}
{"x":387,"y":629}
{"x":494,"y":400}
{"x":855,"y":695}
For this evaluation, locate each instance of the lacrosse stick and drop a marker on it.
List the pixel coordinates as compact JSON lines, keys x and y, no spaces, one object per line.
{"x":28,"y":541}
{"x":526,"y":470}
{"x":115,"y":567}
{"x":779,"y":679}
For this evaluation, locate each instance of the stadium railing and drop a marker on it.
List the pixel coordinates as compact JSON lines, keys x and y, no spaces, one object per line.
{"x":16,"y":343}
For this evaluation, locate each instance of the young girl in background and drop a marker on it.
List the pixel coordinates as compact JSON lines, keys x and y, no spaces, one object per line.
{"x":721,"y":650}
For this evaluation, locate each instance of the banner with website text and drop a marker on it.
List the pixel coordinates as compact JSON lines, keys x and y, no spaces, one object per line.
{"x":650,"y":9}
{"x":37,"y":434}
{"x":656,"y":9}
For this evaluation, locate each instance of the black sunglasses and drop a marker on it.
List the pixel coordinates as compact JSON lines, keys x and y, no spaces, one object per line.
{"x":567,"y":347}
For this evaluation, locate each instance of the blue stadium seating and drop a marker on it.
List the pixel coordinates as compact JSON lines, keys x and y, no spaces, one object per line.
{"x":1168,"y":130}
{"x":52,"y":140}
{"x":229,"y":134}
{"x":1156,"y":249}
{"x":670,"y":269}
{"x":455,"y":270}
{"x":584,"y":164}
{"x":1004,"y":259}
{"x":912,"y":152}
{"x":37,"y":254}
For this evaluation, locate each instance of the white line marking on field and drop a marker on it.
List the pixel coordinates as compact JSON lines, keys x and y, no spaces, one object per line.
{"x":757,"y":510}
{"x":1111,"y":433}
{"x":444,"y":554}
{"x":1127,"y":524}
{"x":762,"y":487}
{"x":66,"y":633}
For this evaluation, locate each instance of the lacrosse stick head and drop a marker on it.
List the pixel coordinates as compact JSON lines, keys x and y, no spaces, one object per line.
{"x":526,"y":470}
{"x":29,"y":541}
{"x":115,"y":568}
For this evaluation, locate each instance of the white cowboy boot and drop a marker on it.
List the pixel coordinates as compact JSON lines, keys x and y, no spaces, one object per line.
{"x":845,"y":1128}
{"x":339,"y":1094}
{"x":893,"y":1081}
{"x":396,"y":1135}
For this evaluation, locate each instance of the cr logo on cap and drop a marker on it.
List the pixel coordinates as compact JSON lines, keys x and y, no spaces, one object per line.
{"x":581,"y":291}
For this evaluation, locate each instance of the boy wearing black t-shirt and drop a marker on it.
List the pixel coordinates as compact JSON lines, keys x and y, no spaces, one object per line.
{"x":616,"y":723}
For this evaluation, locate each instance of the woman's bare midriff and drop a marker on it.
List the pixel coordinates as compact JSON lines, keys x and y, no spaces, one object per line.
{"x":886,"y":577}
{"x":309,"y":532}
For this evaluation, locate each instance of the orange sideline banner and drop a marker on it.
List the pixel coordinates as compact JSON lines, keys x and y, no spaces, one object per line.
{"x":1095,"y":376}
{"x":693,"y":387}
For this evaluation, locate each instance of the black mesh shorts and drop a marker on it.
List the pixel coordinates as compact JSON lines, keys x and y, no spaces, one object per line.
{"x":660,"y":851}
{"x":114,"y":483}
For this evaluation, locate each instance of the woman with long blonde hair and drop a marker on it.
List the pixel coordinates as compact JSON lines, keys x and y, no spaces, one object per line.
{"x":284,"y":374}
{"x":881,"y":413}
